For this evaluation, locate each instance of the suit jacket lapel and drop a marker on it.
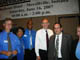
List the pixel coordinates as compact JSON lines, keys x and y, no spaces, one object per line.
{"x":54,"y":40}
{"x":54,"y":46}
{"x":63,"y":43}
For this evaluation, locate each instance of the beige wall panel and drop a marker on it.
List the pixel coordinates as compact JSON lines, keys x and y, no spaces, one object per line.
{"x":69,"y":25}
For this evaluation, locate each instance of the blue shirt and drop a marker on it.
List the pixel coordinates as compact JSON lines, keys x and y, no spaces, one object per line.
{"x":21,"y":44}
{"x":78,"y":51}
{"x":15,"y":43}
{"x":20,"y":56}
{"x":26,"y":38}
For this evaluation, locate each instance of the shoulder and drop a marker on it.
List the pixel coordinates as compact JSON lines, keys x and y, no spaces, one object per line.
{"x":52,"y":37}
{"x":26,"y":30}
{"x":1,"y":33}
{"x":34,"y":31}
{"x":78,"y":45}
{"x":14,"y":36}
{"x":50,"y":30}
{"x":51,"y":40}
{"x":67,"y":35}
{"x":39,"y":31}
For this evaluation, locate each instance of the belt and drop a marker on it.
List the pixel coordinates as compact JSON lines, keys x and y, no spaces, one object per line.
{"x":59,"y":58}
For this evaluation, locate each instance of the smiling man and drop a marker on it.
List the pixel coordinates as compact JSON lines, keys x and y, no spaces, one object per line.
{"x":9,"y":43}
{"x":42,"y":39}
{"x":60,"y":44}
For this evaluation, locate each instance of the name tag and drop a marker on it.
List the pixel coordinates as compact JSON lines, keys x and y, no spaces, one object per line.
{"x":25,"y":35}
{"x":5,"y":41}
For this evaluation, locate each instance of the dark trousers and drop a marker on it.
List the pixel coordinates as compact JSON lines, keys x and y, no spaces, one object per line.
{"x":43,"y":54}
{"x":14,"y":58}
{"x":30,"y":54}
{"x":59,"y":59}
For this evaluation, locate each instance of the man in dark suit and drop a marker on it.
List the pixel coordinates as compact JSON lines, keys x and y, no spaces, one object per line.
{"x":60,"y":45}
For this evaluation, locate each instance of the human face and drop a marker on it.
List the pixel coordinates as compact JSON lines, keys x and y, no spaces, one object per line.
{"x":78,"y":31}
{"x":19,"y":33}
{"x":8,"y":25}
{"x":29,"y":25}
{"x":45,"y":23}
{"x":57,"y":29}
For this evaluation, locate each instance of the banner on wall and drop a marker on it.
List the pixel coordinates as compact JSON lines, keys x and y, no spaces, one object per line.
{"x":33,"y":8}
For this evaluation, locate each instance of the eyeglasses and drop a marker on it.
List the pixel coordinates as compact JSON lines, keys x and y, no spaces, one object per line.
{"x":45,"y":23}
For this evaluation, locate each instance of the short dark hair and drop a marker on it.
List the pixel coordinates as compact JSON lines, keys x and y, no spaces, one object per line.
{"x":21,"y":29}
{"x":7,"y":19}
{"x":59,"y":24}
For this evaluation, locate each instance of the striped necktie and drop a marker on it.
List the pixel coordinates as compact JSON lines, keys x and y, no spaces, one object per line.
{"x":57,"y":44}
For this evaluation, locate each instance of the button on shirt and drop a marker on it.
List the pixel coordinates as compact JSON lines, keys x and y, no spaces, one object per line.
{"x":78,"y":51}
{"x":41,"y":40}
{"x":15,"y":43}
{"x":59,"y":46}
{"x":29,"y":39}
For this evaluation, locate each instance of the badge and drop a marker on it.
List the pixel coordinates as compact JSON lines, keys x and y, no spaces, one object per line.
{"x":25,"y":35}
{"x":5,"y":41}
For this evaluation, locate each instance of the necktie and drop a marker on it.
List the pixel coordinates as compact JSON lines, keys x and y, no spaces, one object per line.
{"x":9,"y":44}
{"x":47,"y":39}
{"x":57,"y":44}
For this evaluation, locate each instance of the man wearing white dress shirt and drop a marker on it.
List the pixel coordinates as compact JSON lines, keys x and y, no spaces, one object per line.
{"x":60,"y":45}
{"x":42,"y":38}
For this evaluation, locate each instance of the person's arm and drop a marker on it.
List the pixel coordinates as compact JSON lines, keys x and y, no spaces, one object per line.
{"x":52,"y":33}
{"x":4,"y":52}
{"x":70,"y":39}
{"x":78,"y":51}
{"x":14,"y":52}
{"x":23,"y":38}
{"x":18,"y":46}
{"x":37,"y":46}
{"x":7,"y":53}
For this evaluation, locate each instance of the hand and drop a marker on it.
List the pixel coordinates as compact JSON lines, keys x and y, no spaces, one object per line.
{"x":14,"y":52}
{"x":38,"y":58}
{"x":7,"y":53}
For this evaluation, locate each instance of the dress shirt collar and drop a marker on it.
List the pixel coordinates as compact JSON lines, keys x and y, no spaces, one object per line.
{"x":28,"y":29}
{"x":6,"y":32}
{"x":59,"y":35}
{"x":45,"y":29}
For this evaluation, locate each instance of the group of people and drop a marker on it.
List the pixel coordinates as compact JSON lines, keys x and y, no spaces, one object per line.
{"x":45,"y":44}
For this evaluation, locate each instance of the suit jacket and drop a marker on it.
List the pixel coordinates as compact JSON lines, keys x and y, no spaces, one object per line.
{"x":65,"y":47}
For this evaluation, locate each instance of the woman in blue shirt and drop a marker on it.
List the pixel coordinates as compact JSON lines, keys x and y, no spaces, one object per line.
{"x":78,"y":51}
{"x":78,"y":46}
{"x":19,"y":33}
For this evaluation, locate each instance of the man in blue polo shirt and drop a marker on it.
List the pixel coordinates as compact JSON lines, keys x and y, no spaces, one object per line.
{"x":29,"y":41}
{"x":9,"y":43}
